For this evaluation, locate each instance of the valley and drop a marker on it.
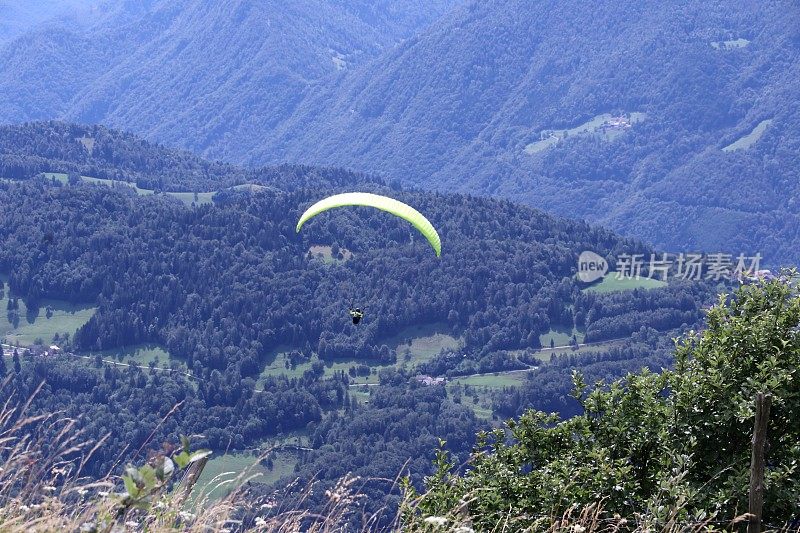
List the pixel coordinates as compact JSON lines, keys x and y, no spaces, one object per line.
{"x":323,"y":266}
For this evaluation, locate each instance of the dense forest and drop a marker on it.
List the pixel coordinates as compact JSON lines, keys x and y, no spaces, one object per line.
{"x":509,"y":97}
{"x":233,"y":62}
{"x":27,"y":150}
{"x":223,"y":286}
{"x":675,"y":123}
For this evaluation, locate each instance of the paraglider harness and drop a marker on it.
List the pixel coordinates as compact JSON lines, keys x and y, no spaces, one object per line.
{"x":356,"y":314}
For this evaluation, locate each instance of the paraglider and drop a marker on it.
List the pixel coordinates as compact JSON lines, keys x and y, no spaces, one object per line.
{"x":356,"y":314}
{"x":384,"y":203}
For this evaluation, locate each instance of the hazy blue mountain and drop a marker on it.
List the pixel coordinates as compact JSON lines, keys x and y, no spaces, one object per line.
{"x":20,"y":16}
{"x":198,"y":74}
{"x":457,"y":108}
{"x":695,"y":105}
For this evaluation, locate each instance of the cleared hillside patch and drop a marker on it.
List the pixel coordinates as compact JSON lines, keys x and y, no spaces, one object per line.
{"x":23,"y":326}
{"x":611,"y":283}
{"x":325,"y":253}
{"x":413,"y":345}
{"x":606,"y":125}
{"x":188,"y":198}
{"x":141,"y":354}
{"x":545,"y":354}
{"x":222,"y":474}
{"x":560,"y":337}
{"x":476,"y":391}
{"x":730,"y":45}
{"x":750,"y":139}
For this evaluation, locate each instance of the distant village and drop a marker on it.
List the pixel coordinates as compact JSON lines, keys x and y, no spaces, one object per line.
{"x":621,"y":122}
{"x":33,"y":350}
{"x":429,"y":380}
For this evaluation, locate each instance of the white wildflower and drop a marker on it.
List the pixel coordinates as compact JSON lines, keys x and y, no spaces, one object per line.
{"x":102,"y":493}
{"x":578,"y":529}
{"x":463,"y":529}
{"x":131,"y":523}
{"x":49,"y":488}
{"x":24,"y":508}
{"x":260,"y":522}
{"x":438,"y":521}
{"x":186,"y":516}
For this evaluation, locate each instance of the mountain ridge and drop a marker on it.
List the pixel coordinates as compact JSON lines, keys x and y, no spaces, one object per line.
{"x":461,"y":101}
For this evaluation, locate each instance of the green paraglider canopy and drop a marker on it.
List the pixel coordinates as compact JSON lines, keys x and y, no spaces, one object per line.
{"x":383,"y":203}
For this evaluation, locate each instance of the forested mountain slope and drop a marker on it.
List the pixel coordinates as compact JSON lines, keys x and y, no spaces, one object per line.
{"x":197,"y":73}
{"x":222,"y":288}
{"x":98,"y":152}
{"x":480,"y":101}
{"x":674,"y":122}
{"x":19,"y":16}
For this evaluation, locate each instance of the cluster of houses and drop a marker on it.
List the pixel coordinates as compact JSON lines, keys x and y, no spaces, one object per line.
{"x":429,"y":380}
{"x":38,"y":350}
{"x":620,"y":122}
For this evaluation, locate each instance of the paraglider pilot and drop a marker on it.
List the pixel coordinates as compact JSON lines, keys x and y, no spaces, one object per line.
{"x":356,"y":314}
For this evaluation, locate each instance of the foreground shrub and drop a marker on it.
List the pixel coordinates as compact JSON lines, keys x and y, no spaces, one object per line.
{"x":658,"y":450}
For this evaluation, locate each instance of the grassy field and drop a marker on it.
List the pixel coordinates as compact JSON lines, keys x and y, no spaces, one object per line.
{"x":185,"y":197}
{"x":141,"y":354}
{"x":224,"y":473}
{"x":750,"y":139}
{"x":482,"y":387}
{"x":326,"y":254}
{"x":57,"y":176}
{"x":730,"y":45}
{"x":65,"y":318}
{"x":495,"y":380}
{"x":545,"y":353}
{"x":220,"y":474}
{"x":560,"y":337}
{"x":610,"y":283}
{"x":426,"y":342}
{"x":590,"y":127}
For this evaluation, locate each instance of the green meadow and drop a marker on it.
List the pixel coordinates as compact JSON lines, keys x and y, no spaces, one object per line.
{"x":550,"y":137}
{"x":560,"y":337}
{"x":611,"y":283}
{"x":224,"y":473}
{"x":140,"y":354}
{"x":186,"y":197}
{"x":23,"y":327}
{"x":413,"y":345}
{"x":750,"y":139}
{"x":476,"y":391}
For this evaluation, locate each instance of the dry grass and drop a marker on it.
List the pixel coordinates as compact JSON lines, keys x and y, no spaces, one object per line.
{"x":43,"y":489}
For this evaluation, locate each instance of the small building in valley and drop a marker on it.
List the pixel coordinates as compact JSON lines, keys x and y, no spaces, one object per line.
{"x":429,"y":380}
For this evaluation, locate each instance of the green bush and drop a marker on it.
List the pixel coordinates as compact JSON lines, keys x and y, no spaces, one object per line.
{"x":654,"y":449}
